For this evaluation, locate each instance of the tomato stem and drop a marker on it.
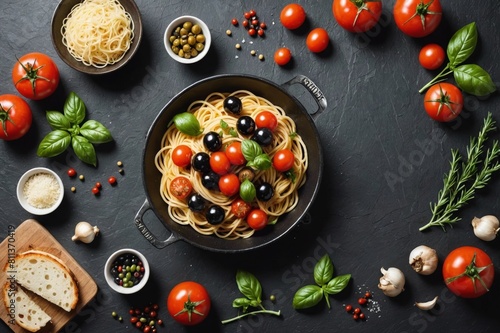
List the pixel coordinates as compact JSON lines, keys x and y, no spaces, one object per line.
{"x":31,"y":74}
{"x":439,"y":78}
{"x":276,"y":313}
{"x":4,"y":117}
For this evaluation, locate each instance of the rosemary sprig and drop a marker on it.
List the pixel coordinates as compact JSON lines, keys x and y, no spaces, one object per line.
{"x":465,"y":177}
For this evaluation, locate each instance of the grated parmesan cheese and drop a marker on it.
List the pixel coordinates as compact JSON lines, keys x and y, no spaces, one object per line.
{"x":41,"y":190}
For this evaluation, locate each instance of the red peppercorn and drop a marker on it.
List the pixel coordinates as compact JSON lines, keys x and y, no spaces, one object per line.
{"x":362,"y":301}
{"x":234,"y":22}
{"x":355,"y":316}
{"x":252,"y":13}
{"x":260,"y":32}
{"x":263,"y":25}
{"x":247,"y":15}
{"x":255,"y":22}
{"x":252,"y":31}
{"x":71,"y":172}
{"x":362,"y":316}
{"x":357,"y":311}
{"x":95,"y":190}
{"x":348,"y":308}
{"x":159,"y":322}
{"x":98,"y":185}
{"x":245,"y":23}
{"x":112,"y":180}
{"x":368,"y":294}
{"x":134,"y":320}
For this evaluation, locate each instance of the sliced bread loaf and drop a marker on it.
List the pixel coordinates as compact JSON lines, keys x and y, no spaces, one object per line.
{"x":27,"y":313}
{"x":47,"y":276}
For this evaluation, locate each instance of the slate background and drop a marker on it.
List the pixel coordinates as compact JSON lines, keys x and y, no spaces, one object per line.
{"x":374,"y":127}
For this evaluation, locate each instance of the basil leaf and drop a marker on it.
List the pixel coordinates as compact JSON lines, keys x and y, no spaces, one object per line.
{"x":474,"y":80}
{"x":247,"y":191}
{"x":57,"y":120}
{"x":54,"y":143}
{"x":462,"y":44}
{"x":84,"y":150}
{"x":95,"y":132}
{"x":307,"y":296}
{"x":337,"y":284}
{"x":74,"y":109}
{"x":261,"y":162}
{"x":250,"y":149}
{"x":323,"y":270}
{"x":241,"y":303}
{"x":187,"y":123}
{"x":249,"y":285}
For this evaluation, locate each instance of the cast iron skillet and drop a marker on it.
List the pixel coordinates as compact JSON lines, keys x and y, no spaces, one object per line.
{"x":229,"y":83}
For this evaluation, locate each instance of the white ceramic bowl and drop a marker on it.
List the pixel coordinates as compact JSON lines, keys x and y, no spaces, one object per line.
{"x":23,"y":200}
{"x":110,"y":279}
{"x":179,"y":21}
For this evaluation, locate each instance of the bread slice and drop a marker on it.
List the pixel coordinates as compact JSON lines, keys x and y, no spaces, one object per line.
{"x":27,"y":313}
{"x":47,"y":276}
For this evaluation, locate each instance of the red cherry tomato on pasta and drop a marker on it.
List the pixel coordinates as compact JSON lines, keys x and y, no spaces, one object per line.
{"x":266,"y":119}
{"x":292,"y":16}
{"x":181,"y":156}
{"x":240,"y":208}
{"x":219,"y":163}
{"x":417,"y":18}
{"x":180,"y":187}
{"x":317,"y":40}
{"x":229,"y":184}
{"x":283,"y":160}
{"x":282,"y":56}
{"x":257,"y":219}
{"x":234,"y":154}
{"x":357,"y":16}
{"x":431,"y":56}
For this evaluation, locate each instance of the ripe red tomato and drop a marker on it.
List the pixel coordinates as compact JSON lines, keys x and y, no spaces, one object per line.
{"x":229,"y":184}
{"x":283,"y":160}
{"x":189,"y":303}
{"x":219,"y":163}
{"x":431,"y":56}
{"x":180,"y":187}
{"x":468,"y":272}
{"x":357,"y":16}
{"x":257,"y":219}
{"x":266,"y":119}
{"x":443,"y":102}
{"x":317,"y":40}
{"x":35,"y":76}
{"x":234,"y":154}
{"x":15,"y":117}
{"x":282,"y":56}
{"x":181,"y":156}
{"x":417,"y":18}
{"x":240,"y":208}
{"x":292,"y":16}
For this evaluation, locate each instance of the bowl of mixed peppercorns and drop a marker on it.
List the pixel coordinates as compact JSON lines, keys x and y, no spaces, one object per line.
{"x":126,"y":271}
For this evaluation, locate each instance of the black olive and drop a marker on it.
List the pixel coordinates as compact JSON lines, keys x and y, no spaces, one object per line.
{"x":201,"y":162}
{"x":212,"y":141}
{"x":215,"y":214}
{"x":245,"y":125}
{"x":263,"y":136}
{"x":233,"y":105}
{"x":196,"y":203}
{"x":265,"y":191}
{"x":210,"y":180}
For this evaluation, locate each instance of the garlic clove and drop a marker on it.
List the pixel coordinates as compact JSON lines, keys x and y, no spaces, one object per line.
{"x":486,"y":228}
{"x":427,"y":305}
{"x":392,"y":281}
{"x":423,"y":260}
{"x":85,"y":232}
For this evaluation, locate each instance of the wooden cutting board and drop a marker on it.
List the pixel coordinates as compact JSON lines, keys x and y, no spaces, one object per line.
{"x":31,"y":235}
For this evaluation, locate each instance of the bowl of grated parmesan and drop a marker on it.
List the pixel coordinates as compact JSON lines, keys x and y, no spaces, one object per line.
{"x":40,"y":191}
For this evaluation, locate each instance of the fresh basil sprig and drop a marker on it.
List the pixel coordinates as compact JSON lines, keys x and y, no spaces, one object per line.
{"x":254,"y":155}
{"x":471,"y":78}
{"x":310,"y":295}
{"x":251,"y":288}
{"x":66,"y":131}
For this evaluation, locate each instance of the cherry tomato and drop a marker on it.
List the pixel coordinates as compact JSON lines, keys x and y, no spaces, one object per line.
{"x":229,"y":184}
{"x":234,"y":154}
{"x":180,"y":187}
{"x":35,"y":76}
{"x":71,"y":172}
{"x":189,"y":303}
{"x":468,"y":272}
{"x":219,"y":163}
{"x":431,"y":56}
{"x":240,"y":208}
{"x":181,"y":156}
{"x":257,"y":219}
{"x":292,"y":16}
{"x":357,"y":16}
{"x":112,"y":180}
{"x":417,"y":18}
{"x":317,"y":40}
{"x":15,"y":117}
{"x":266,"y":119}
{"x":283,"y":160}
{"x":443,"y":102}
{"x":282,"y":56}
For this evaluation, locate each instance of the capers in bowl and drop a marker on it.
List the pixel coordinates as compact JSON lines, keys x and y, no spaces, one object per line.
{"x":187,"y":40}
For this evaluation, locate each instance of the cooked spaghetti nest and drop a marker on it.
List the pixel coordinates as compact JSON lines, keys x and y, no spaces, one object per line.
{"x":210,"y":113}
{"x":98,"y":32}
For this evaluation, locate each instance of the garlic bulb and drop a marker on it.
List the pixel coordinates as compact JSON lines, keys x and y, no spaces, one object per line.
{"x":423,"y":260}
{"x":427,"y":305}
{"x":392,"y":282}
{"x":486,"y":227}
{"x":85,"y":232}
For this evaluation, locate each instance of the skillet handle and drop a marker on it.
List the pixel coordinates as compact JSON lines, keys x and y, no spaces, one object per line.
{"x":139,"y":223}
{"x":313,"y":89}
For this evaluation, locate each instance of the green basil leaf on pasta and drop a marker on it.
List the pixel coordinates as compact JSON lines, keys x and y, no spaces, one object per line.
{"x":54,"y":143}
{"x":74,"y":109}
{"x":187,"y":123}
{"x":247,"y":191}
{"x":474,"y":80}
{"x":250,"y":149}
{"x":95,"y":132}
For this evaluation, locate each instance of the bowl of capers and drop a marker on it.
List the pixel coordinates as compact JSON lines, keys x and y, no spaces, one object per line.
{"x":187,"y":39}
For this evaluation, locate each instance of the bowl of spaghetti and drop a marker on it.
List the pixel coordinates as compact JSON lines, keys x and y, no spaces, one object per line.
{"x":293,"y":193}
{"x":96,"y":36}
